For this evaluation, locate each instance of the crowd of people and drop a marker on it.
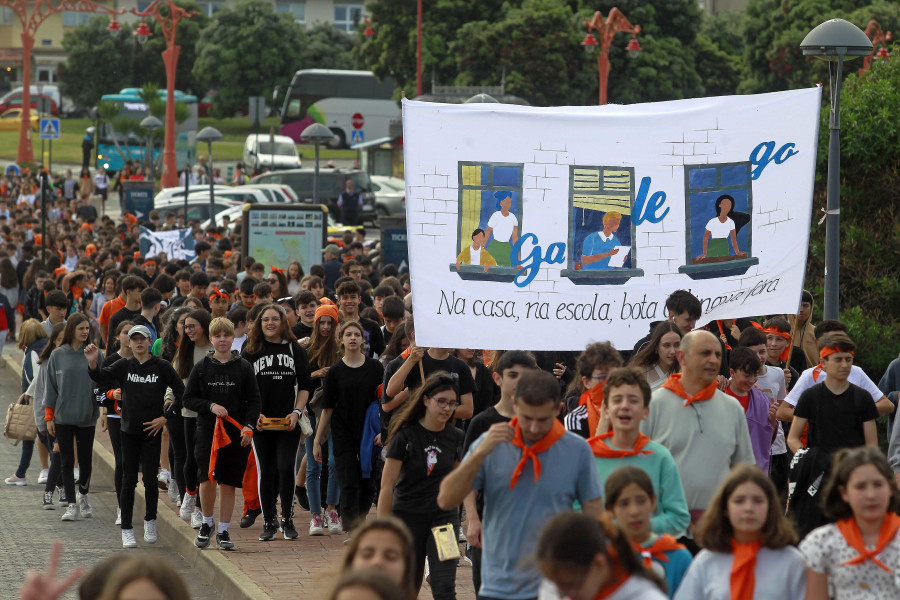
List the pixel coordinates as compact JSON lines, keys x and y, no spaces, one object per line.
{"x":738,"y":459}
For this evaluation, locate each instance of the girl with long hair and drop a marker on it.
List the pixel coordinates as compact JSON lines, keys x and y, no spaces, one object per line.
{"x":165,"y":347}
{"x":71,"y":412}
{"x":350,"y":399}
{"x":281,"y":367}
{"x":423,"y":446}
{"x":278,"y":282}
{"x":383,"y":544}
{"x":323,"y":351}
{"x":857,"y":556}
{"x":32,"y":339}
{"x":747,"y":544}
{"x":586,"y":558}
{"x":657,"y":357}
{"x":631,"y":499}
{"x":294,"y":275}
{"x":194,"y":347}
{"x":397,"y":346}
{"x":37,"y":390}
{"x":80,"y":295}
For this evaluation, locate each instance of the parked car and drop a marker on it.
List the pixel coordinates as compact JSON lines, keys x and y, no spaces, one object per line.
{"x":390,"y":195}
{"x":331,"y":184}
{"x":270,"y":151}
{"x":14,"y":100}
{"x":198,"y":207}
{"x":178,"y":191}
{"x":11,"y":120}
{"x":275,"y":192}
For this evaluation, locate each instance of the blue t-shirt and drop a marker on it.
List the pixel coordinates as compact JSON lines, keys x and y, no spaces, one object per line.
{"x":594,"y":244}
{"x":514,"y":518}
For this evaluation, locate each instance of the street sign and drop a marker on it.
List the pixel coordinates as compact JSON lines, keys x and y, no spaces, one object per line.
{"x":257,"y":109}
{"x":357,"y":120}
{"x":356,"y":136}
{"x":49,"y":129}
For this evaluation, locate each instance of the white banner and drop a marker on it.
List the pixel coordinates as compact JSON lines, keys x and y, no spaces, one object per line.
{"x":550,"y":228}
{"x":177,"y":244}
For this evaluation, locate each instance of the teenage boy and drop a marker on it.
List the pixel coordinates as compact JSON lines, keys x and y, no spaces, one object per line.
{"x":199,"y":285}
{"x":306,"y":309}
{"x":132,"y":288}
{"x":378,"y":296}
{"x":239,"y":316}
{"x":290,"y":309}
{"x":759,"y":410}
{"x":151,"y":304}
{"x":529,"y":469}
{"x":511,"y":366}
{"x":143,"y":380}
{"x":262,"y":294}
{"x":683,"y":309}
{"x":348,"y":302}
{"x":626,"y":399}
{"x":222,"y":389}
{"x":594,"y":364}
{"x":57,"y":306}
{"x":246,"y":293}
{"x":393,"y":312}
{"x":218,"y":302}
{"x":778,"y":346}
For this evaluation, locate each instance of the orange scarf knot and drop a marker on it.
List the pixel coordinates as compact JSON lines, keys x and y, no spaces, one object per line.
{"x":601,"y":448}
{"x":661,"y":545}
{"x":743,"y":569}
{"x":673,"y":384}
{"x":531,"y":452}
{"x":592,"y":399}
{"x":849,"y":528}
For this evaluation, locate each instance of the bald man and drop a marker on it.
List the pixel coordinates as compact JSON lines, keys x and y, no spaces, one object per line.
{"x":704,"y":429}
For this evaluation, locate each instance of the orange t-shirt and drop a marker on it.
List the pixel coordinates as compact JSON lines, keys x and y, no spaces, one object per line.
{"x":110,"y":308}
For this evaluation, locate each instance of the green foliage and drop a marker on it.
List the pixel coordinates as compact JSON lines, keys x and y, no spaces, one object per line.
{"x":97,"y":63}
{"x":246,"y":50}
{"x":873,"y":355}
{"x":149,"y":65}
{"x":324,"y":47}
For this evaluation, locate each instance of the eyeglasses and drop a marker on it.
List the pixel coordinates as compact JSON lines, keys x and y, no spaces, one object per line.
{"x":273,"y":280}
{"x":443,"y":403}
{"x":187,"y":327}
{"x":597,"y":377}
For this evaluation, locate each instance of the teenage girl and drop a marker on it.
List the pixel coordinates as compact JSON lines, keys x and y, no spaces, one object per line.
{"x":657,"y":357}
{"x":423,"y":447}
{"x":859,"y":555}
{"x":383,"y":544}
{"x":37,"y":390}
{"x":165,"y":347}
{"x":586,"y":559}
{"x":630,"y":497}
{"x":748,"y":544}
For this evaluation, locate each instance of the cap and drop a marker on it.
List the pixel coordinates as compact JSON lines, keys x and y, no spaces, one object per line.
{"x":139,"y":330}
{"x":332,"y":248}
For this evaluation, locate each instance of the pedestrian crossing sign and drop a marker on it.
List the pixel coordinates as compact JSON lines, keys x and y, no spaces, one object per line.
{"x":49,"y":129}
{"x":356,"y":136}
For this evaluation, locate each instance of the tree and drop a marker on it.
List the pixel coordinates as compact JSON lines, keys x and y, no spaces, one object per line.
{"x":246,"y":50}
{"x":98,"y":63}
{"x":324,"y":47}
{"x":148,"y":57}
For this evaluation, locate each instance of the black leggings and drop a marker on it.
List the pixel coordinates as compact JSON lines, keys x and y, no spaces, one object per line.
{"x":140,"y":451}
{"x":114,"y":427}
{"x":190,"y":461}
{"x":67,"y":436}
{"x":443,"y":573}
{"x":356,"y":492}
{"x":276,"y":456}
{"x":178,"y":454}
{"x":54,"y":475}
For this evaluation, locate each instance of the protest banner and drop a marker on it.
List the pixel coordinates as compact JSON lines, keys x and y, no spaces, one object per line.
{"x":177,"y":244}
{"x":550,"y":228}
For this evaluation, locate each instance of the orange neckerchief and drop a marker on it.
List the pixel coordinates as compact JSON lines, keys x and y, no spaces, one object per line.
{"x":602,"y":450}
{"x":76,"y":292}
{"x":673,"y":384}
{"x":220,"y":440}
{"x":661,"y":545}
{"x":616,"y":580}
{"x":722,"y":333}
{"x":593,"y":400}
{"x":531,"y":452}
{"x":781,"y":334}
{"x":817,"y":371}
{"x":743,"y":569}
{"x":849,"y":528}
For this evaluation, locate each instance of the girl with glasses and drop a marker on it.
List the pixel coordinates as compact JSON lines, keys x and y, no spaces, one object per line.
{"x":278,"y":282}
{"x":423,"y":447}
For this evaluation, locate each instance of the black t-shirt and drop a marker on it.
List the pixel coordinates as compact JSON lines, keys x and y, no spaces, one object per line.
{"x":374,"y":340}
{"x":278,"y":368}
{"x":301,"y":331}
{"x":836,"y":421}
{"x":349,"y":391}
{"x":123,"y":314}
{"x":452,"y":365}
{"x":479,"y":424}
{"x":427,"y":457}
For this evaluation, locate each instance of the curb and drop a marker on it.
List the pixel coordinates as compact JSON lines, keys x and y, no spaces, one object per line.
{"x":210,"y":565}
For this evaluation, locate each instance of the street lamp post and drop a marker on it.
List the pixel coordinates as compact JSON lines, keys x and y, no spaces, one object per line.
{"x":168,"y":21}
{"x":606,"y":31}
{"x":209,"y":135}
{"x":151,"y":124}
{"x":835,"y":40}
{"x":32,"y":13}
{"x":317,"y":134}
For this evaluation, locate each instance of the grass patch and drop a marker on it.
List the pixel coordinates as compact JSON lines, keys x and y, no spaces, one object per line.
{"x":234,"y":130}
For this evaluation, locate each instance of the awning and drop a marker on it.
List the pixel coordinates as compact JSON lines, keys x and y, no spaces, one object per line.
{"x":11,"y":56}
{"x":372,"y":143}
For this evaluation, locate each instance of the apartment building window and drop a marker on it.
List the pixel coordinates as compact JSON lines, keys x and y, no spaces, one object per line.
{"x":6,"y":15}
{"x":72,"y":18}
{"x":347,"y":16}
{"x":297,"y":11}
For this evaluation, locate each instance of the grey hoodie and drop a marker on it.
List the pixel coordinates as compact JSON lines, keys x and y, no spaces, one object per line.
{"x":70,"y":390}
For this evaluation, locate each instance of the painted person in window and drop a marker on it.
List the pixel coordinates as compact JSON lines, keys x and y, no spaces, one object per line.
{"x":600,"y":246}
{"x":722,"y":228}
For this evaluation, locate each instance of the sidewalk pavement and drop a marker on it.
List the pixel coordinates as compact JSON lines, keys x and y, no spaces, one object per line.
{"x":283,"y":569}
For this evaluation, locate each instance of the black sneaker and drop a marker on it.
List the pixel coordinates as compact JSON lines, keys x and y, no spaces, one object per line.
{"x":202,"y":539}
{"x":223,"y":541}
{"x":287,"y":527}
{"x":48,"y":501}
{"x":302,"y":497}
{"x":250,"y":518}
{"x":268,"y":532}
{"x":62,"y":496}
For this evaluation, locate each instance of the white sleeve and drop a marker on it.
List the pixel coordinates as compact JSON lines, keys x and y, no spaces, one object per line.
{"x":867,"y":384}
{"x":804,"y":383}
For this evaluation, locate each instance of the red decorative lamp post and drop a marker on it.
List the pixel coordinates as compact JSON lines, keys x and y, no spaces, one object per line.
{"x":873,"y":32}
{"x":606,"y":31}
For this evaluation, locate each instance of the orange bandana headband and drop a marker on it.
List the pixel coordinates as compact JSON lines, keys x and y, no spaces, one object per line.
{"x":276,"y":269}
{"x":217,"y":293}
{"x":829,"y":350}
{"x":779,"y":333}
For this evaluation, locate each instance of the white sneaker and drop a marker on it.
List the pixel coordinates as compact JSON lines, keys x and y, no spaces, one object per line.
{"x":42,"y":478}
{"x":75,"y":473}
{"x":164,"y":479}
{"x":150,"y":532}
{"x":85,"y":507}
{"x":334,"y":522}
{"x":128,"y":540}
{"x":188,"y":503}
{"x":19,"y":481}
{"x":196,"y":519}
{"x":315,"y":525}
{"x":71,"y":513}
{"x":118,"y":516}
{"x":172,"y":488}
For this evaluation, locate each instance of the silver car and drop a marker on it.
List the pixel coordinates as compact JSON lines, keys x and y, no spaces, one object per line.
{"x":390,"y":195}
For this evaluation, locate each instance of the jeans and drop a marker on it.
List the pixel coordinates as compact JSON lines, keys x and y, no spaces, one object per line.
{"x":443,"y":573}
{"x":140,"y":451}
{"x":114,"y":428}
{"x":25,"y":459}
{"x":177,"y":443}
{"x":68,"y":435}
{"x":314,"y":474}
{"x":190,"y":461}
{"x":356,"y":491}
{"x":276,"y":456}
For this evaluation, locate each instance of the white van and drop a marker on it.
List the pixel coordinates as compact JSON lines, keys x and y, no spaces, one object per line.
{"x":270,"y":151}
